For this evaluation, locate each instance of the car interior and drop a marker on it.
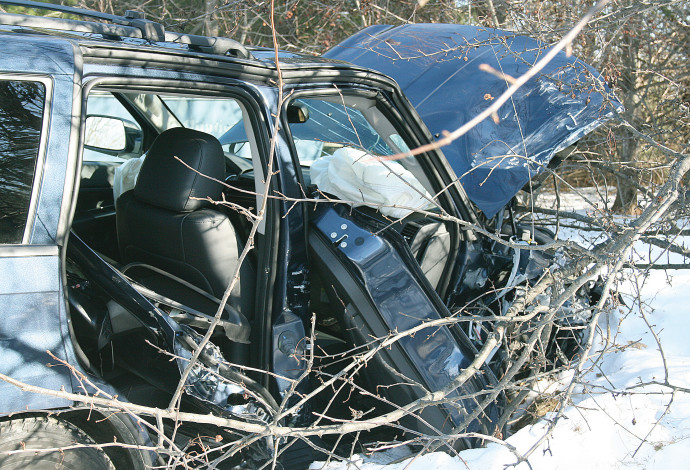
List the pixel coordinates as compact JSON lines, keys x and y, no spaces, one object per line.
{"x":152,"y":173}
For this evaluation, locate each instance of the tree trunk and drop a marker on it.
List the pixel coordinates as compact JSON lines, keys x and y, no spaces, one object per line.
{"x":626,"y":194}
{"x":630,"y":82}
{"x":210,"y":23}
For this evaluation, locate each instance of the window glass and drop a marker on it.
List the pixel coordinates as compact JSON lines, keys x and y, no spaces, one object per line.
{"x":222,"y":118}
{"x":331,"y":125}
{"x":340,"y":139}
{"x":211,"y":115}
{"x":103,"y":103}
{"x":21,"y":119}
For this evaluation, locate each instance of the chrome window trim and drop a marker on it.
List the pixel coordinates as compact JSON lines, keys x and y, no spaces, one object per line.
{"x":26,"y":251}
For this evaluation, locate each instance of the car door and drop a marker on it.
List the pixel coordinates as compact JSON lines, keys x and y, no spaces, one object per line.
{"x":365,"y":231}
{"x":36,"y":136}
{"x":385,"y":293}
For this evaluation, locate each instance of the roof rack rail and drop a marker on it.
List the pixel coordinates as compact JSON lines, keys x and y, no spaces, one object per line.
{"x":149,"y":29}
{"x":61,"y":24}
{"x":210,"y":44}
{"x":132,"y":25}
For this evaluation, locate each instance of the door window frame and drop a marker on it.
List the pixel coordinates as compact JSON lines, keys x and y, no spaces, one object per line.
{"x":47,"y":83}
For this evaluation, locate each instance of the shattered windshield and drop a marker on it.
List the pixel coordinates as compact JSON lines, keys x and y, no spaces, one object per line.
{"x":342,"y":141}
{"x":330,"y":126}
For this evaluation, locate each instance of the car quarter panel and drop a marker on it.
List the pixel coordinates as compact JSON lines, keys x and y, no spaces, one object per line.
{"x":32,"y":324}
{"x":34,"y":317}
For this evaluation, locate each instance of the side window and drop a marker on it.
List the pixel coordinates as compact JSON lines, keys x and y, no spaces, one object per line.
{"x":222,"y":118}
{"x":211,"y":115}
{"x":21,"y":119}
{"x":112,"y":134}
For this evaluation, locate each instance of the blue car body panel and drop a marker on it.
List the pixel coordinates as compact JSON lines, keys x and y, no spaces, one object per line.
{"x":437,"y":65}
{"x":34,"y":320}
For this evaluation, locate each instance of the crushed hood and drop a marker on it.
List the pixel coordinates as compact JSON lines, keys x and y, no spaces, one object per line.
{"x":437,"y":66}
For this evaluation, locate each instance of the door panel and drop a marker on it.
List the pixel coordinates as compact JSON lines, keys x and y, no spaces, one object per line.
{"x":31,"y":324}
{"x":384,"y":291}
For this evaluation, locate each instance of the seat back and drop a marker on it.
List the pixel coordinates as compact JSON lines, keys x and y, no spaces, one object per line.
{"x":169,"y":221}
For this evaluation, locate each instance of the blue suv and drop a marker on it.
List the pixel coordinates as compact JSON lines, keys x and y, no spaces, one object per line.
{"x":154,"y":184}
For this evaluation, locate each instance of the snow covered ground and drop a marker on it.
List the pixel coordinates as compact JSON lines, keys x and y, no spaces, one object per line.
{"x":615,"y":421}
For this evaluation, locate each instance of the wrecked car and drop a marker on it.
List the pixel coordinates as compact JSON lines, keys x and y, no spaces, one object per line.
{"x":155,"y":183}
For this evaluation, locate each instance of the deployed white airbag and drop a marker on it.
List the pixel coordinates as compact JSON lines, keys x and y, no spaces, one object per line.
{"x":356,"y":176}
{"x":125,"y":176}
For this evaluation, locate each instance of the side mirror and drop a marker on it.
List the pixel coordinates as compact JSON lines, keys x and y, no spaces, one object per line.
{"x":112,"y":136}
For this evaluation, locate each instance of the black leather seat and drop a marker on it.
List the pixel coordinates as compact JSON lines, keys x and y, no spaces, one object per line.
{"x":169,"y":222}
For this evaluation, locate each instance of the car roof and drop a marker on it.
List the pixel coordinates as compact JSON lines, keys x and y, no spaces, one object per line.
{"x":132,"y":32}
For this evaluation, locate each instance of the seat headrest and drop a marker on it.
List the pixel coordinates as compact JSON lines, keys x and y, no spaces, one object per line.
{"x":167,"y":183}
